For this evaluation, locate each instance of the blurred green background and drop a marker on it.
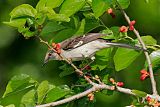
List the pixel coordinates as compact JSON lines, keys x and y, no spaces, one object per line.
{"x":19,"y":55}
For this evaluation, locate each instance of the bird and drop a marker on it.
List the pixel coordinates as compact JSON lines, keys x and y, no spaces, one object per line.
{"x":85,"y":46}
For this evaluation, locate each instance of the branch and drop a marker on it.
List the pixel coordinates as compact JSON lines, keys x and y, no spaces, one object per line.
{"x":95,"y":88}
{"x":153,"y":82}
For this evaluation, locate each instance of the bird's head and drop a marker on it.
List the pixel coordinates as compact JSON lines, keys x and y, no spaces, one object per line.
{"x":51,"y":55}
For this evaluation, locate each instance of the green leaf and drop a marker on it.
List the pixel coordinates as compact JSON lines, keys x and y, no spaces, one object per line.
{"x":107,"y":92}
{"x":124,"y":3}
{"x":16,"y":22}
{"x":110,"y":34}
{"x":67,"y":70}
{"x":80,"y":30}
{"x":28,"y":34}
{"x":19,"y":83}
{"x":149,"y":40}
{"x":51,"y":27}
{"x":59,"y":17}
{"x":124,"y":57}
{"x":139,"y":93}
{"x":105,"y":79}
{"x":64,"y":34}
{"x":102,"y":58}
{"x":100,"y":6}
{"x":11,"y":105}
{"x":69,"y":7}
{"x":54,"y":3}
{"x":48,"y":3}
{"x":42,"y":91}
{"x":40,"y":5}
{"x":23,"y":11}
{"x":56,"y":93}
{"x":91,"y":24}
{"x":155,"y":59}
{"x":29,"y":99}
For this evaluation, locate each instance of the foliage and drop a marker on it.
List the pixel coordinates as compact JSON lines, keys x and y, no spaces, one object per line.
{"x":63,"y":19}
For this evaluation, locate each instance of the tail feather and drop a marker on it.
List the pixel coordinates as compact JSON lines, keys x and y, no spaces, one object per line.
{"x":125,"y":46}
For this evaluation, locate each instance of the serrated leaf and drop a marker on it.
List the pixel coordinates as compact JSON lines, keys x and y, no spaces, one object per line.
{"x":19,"y":83}
{"x":51,"y":27}
{"x":149,"y":40}
{"x":29,"y":99}
{"x":56,"y":93}
{"x":42,"y":91}
{"x":124,"y":57}
{"x":69,"y":7}
{"x":24,"y":10}
{"x":16,"y":22}
{"x":100,"y":6}
{"x":124,"y":3}
{"x":139,"y":93}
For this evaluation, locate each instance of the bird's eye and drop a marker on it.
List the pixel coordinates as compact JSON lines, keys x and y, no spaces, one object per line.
{"x":49,"y":54}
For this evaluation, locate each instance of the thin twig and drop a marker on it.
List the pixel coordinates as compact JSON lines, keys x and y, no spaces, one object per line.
{"x":153,"y":82}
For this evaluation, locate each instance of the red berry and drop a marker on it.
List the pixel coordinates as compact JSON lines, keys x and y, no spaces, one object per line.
{"x":143,"y":71}
{"x":132,"y":23}
{"x":109,"y":11}
{"x":58,"y":46}
{"x":148,"y":98}
{"x":88,"y":67}
{"x":123,"y":29}
{"x":112,"y":80}
{"x":120,"y":84}
{"x":143,"y":77}
{"x":91,"y":97}
{"x":131,"y":27}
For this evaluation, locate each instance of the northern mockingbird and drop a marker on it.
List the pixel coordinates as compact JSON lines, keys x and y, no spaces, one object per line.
{"x":85,"y":46}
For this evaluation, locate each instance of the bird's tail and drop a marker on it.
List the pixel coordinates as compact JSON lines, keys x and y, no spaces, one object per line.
{"x":125,"y":46}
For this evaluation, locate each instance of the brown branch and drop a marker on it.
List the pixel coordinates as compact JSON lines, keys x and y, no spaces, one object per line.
{"x":153,"y":82}
{"x":95,"y":88}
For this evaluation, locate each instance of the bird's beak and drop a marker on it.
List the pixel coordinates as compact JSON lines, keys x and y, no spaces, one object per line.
{"x":45,"y":61}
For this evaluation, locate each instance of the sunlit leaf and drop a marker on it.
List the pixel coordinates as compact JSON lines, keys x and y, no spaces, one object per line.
{"x":29,"y":98}
{"x":42,"y":91}
{"x":124,"y":57}
{"x":56,"y":93}
{"x":19,"y":83}
{"x":51,"y":27}
{"x":69,"y":7}
{"x":22,"y":11}
{"x":16,"y":22}
{"x":124,"y":3}
{"x":149,"y":40}
{"x":139,"y":93}
{"x":100,"y":6}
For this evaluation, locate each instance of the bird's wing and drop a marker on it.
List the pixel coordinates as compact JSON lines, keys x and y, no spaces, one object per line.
{"x":75,"y":42}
